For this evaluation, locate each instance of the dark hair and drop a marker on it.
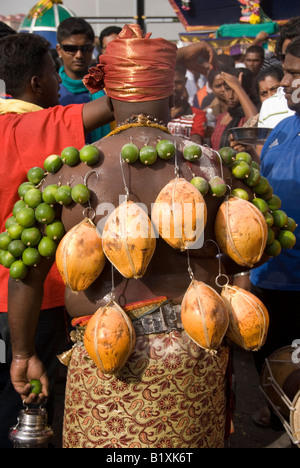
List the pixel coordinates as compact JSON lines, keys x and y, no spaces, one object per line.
{"x":6,"y":30}
{"x":256,"y":49}
{"x":21,"y":58}
{"x":72,"y":26}
{"x":294,"y":48}
{"x":275,"y":71}
{"x":107,"y":32}
{"x":224,"y":59}
{"x":289,"y":30}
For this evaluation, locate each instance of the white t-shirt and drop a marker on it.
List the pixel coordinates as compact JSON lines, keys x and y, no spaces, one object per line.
{"x":273,"y":110}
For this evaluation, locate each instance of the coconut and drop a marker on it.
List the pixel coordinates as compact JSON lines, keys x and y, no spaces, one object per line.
{"x":109,"y":338}
{"x":79,"y":256}
{"x":241,"y":231}
{"x":204,"y":316}
{"x":179,"y":214}
{"x":129,"y":240}
{"x":248,"y":318}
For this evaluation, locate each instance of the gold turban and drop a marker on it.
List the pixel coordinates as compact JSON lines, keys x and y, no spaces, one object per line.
{"x":135,"y":67}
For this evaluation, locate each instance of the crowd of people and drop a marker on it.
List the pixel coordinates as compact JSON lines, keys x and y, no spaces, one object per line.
{"x":46,"y":108}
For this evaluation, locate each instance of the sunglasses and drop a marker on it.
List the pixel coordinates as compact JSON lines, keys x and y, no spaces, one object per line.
{"x":73,"y":49}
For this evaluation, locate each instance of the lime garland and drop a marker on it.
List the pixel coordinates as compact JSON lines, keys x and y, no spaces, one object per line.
{"x":33,"y":232}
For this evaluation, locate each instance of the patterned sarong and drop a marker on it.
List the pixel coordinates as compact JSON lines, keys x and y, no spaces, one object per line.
{"x":170,"y":394}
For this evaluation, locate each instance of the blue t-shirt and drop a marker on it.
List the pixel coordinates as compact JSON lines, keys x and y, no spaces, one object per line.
{"x":280,"y":164}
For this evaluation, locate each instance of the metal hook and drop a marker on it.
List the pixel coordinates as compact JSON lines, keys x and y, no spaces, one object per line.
{"x":220,"y":275}
{"x":122,"y":162}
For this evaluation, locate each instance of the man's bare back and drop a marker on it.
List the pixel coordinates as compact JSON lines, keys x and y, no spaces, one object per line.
{"x":167,"y":273}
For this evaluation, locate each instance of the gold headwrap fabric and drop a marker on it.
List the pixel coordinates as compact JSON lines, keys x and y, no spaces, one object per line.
{"x":135,"y":67}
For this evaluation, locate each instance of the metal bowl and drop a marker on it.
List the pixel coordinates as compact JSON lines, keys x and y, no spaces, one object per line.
{"x":250,"y":135}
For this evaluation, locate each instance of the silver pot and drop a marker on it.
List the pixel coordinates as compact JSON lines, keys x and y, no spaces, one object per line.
{"x":31,"y":430}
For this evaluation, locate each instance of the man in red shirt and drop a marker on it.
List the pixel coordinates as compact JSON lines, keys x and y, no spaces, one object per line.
{"x":32,"y":127}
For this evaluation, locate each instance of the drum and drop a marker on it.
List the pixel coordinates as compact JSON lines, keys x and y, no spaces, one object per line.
{"x":280,"y":384}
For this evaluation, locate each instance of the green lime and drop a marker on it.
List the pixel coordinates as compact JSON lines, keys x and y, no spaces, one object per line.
{"x":35,"y":175}
{"x":217,"y":187}
{"x":280,"y":218}
{"x":227,"y":154}
{"x":55,"y":230}
{"x":47,"y":247}
{"x":192,"y":152}
{"x":63,"y":195}
{"x":24,"y":187}
{"x":36,"y":386}
{"x":130,"y":153}
{"x":7,"y":259}
{"x":80,"y":193}
{"x":261,"y":205}
{"x":271,"y":236}
{"x":243,"y":156}
{"x":44,"y":213}
{"x":274,"y":203}
{"x":16,"y":248}
{"x":18,"y":206}
{"x":1,"y":253}
{"x":253,"y":178}
{"x":31,"y":256}
{"x":31,"y":236}
{"x":89,"y":154}
{"x":273,"y":249}
{"x":15,"y":231}
{"x":48,"y":194}
{"x":33,"y":198}
{"x":240,"y":169}
{"x":70,"y":156}
{"x":148,"y":155}
{"x":256,"y":165}
{"x":18,"y":270}
{"x":290,"y":225}
{"x":268,"y":194}
{"x":287,"y":239}
{"x":201,"y":184}
{"x":5,"y":240}
{"x":53,"y":163}
{"x":165,"y":149}
{"x":240,"y":193}
{"x":262,"y":187}
{"x":269,"y":219}
{"x":11,"y":220}
{"x":26,"y":217}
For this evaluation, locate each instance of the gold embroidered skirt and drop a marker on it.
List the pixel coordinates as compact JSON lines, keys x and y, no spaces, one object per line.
{"x":170,"y":394}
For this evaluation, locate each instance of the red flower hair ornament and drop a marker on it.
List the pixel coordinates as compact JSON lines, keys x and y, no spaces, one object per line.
{"x":94,"y":80}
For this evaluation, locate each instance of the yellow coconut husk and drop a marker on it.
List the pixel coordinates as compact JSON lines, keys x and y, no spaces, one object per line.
{"x":179,"y":215}
{"x":241,"y":231}
{"x":129,"y":240}
{"x":79,"y":256}
{"x":204,"y":316}
{"x":248,"y":318}
{"x":109,"y":338}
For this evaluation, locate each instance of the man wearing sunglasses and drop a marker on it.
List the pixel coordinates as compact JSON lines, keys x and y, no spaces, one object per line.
{"x":75,"y":49}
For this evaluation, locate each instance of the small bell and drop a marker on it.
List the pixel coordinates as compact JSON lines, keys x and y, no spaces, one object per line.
{"x":31,"y":430}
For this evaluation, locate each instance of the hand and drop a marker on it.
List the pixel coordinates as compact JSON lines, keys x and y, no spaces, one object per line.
{"x":232,"y":81}
{"x":188,"y":55}
{"x":238,"y":146}
{"x":22,"y":371}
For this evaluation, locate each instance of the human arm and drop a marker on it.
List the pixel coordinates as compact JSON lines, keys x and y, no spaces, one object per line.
{"x":188,"y":55}
{"x":24,"y":304}
{"x":97,"y":113}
